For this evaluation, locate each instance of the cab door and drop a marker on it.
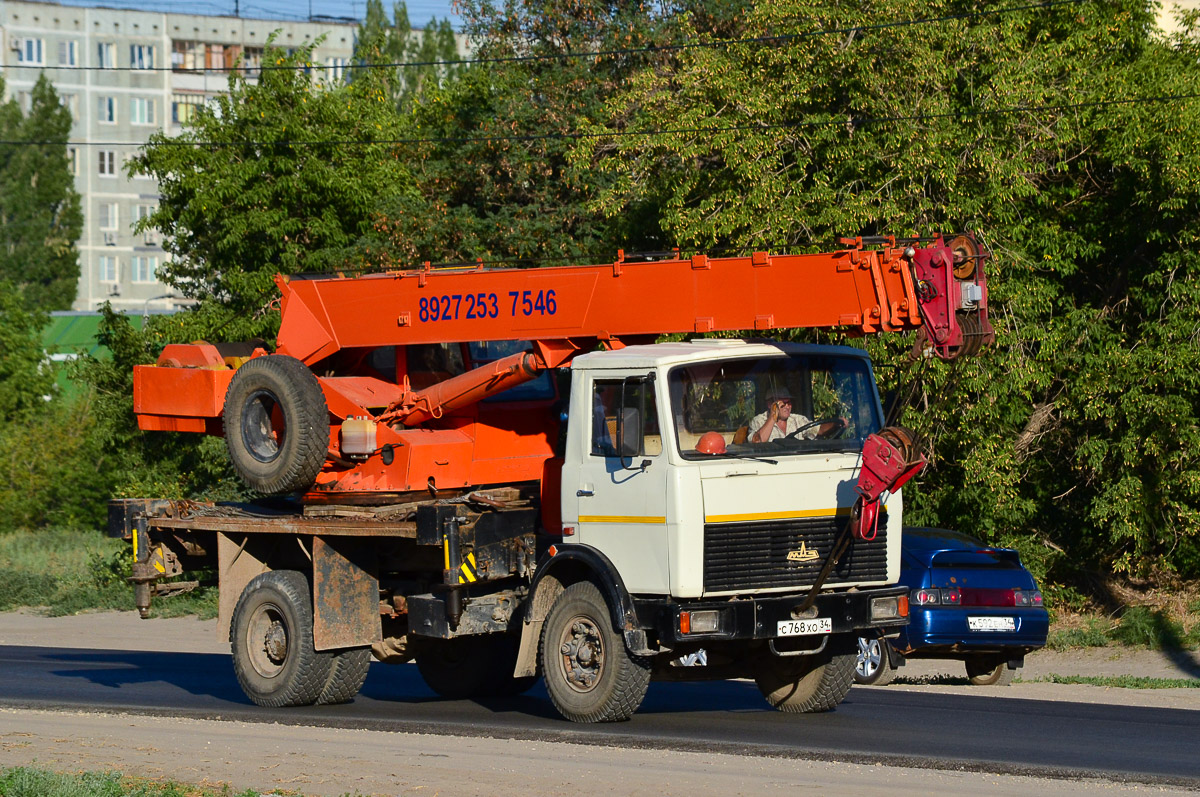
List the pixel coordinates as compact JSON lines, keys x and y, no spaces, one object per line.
{"x":615,"y":486}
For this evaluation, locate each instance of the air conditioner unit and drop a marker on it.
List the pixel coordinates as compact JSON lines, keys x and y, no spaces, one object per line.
{"x":110,"y":239}
{"x":150,"y":239}
{"x":111,"y":289}
{"x":15,"y":44}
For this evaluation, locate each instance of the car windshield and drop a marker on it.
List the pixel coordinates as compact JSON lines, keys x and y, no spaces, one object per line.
{"x":821,"y":403}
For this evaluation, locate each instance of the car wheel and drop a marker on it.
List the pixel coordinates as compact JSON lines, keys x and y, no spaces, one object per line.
{"x":873,"y":665}
{"x":989,"y":673}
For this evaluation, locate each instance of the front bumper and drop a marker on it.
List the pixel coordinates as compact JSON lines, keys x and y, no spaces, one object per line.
{"x":758,"y":618}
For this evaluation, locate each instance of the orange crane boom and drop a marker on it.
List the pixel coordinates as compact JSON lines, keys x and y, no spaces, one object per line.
{"x":444,"y":435}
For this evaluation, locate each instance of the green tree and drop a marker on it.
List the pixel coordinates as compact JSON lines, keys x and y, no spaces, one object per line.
{"x":1075,"y":437}
{"x":493,"y":177}
{"x":40,"y":216}
{"x":280,"y":177}
{"x":430,"y":53}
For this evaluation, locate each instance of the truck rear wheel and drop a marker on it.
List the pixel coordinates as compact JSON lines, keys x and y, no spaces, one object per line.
{"x":271,"y":637}
{"x":590,"y":675}
{"x":805,"y":684}
{"x":276,"y":424}
{"x":346,"y":676}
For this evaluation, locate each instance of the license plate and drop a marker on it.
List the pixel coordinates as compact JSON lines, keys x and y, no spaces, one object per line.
{"x":992,"y":623}
{"x":817,"y":625}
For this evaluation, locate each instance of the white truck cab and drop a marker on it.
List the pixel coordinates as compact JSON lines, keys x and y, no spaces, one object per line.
{"x":756,"y":518}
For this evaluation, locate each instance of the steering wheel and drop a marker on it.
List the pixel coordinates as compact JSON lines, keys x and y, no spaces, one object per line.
{"x":841,"y":426}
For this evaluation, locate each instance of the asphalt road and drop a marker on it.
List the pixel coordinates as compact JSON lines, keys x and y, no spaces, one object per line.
{"x":885,"y":726}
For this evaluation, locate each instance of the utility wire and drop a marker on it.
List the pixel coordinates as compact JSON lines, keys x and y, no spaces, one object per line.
{"x":850,"y":121}
{"x":664,"y":48}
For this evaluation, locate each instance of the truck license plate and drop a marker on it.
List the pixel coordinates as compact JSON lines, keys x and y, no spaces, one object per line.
{"x":818,"y":625}
{"x":992,"y":623}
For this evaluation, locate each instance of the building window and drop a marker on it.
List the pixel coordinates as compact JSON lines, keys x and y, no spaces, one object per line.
{"x":184,"y":107}
{"x":106,"y":110}
{"x":68,"y":53}
{"x":106,"y":55}
{"x":108,"y":215}
{"x":144,"y":269}
{"x":71,"y":103}
{"x":252,"y":60}
{"x":335,"y":68}
{"x":141,"y":56}
{"x":107,"y":159}
{"x":108,"y":268}
{"x":141,"y":111}
{"x":30,"y":51}
{"x":73,"y":160}
{"x":187,"y":56}
{"x":149,"y":236}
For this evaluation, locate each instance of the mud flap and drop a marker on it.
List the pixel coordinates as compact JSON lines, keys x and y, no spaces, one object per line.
{"x":531,"y":633}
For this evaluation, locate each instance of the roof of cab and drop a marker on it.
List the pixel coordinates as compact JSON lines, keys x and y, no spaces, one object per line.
{"x":655,"y":354}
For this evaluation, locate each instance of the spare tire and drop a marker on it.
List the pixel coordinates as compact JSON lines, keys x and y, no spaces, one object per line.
{"x":276,"y":424}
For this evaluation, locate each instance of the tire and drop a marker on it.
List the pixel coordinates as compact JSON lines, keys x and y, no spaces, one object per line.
{"x":589,"y":674}
{"x":346,"y":676}
{"x":276,"y":424}
{"x":988,"y":673}
{"x":271,"y":637}
{"x":873,"y":663}
{"x":805,"y":685}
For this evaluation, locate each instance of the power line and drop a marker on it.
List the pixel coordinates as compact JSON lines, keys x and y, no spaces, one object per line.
{"x":663,"y":48}
{"x":849,"y":121}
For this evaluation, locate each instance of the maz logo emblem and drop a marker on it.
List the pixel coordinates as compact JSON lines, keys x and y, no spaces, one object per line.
{"x":802,"y":555}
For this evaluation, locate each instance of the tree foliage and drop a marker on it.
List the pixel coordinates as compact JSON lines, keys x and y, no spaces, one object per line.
{"x":428,"y":57}
{"x":280,"y":176}
{"x":783,"y":126}
{"x":493,"y":178}
{"x":1075,"y":437}
{"x":40,"y":215}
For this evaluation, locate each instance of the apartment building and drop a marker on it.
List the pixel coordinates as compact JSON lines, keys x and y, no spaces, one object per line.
{"x":124,"y":75}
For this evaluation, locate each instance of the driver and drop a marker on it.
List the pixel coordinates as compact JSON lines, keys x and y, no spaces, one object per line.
{"x":779,"y":421}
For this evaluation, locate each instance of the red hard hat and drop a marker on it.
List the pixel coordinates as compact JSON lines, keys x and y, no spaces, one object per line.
{"x":711,"y":443}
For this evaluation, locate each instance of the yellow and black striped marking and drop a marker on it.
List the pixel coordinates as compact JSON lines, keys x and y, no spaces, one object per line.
{"x":467,"y":573}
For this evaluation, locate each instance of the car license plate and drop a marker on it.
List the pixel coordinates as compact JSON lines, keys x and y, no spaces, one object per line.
{"x":817,"y":625}
{"x":992,"y":623}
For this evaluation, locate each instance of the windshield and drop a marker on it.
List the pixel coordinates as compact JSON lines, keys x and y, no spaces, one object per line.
{"x":773,"y":406}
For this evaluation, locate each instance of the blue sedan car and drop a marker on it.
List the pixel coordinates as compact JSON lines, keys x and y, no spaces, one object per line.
{"x":969,"y":602}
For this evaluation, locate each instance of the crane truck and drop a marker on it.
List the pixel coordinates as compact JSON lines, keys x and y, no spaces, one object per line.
{"x":499,"y":474}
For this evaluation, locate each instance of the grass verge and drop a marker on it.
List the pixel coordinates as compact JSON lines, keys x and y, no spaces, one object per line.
{"x":70,"y":571}
{"x":1121,"y":681}
{"x":34,"y":782}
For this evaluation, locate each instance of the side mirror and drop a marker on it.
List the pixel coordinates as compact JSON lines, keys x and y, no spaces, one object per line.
{"x":629,"y":432}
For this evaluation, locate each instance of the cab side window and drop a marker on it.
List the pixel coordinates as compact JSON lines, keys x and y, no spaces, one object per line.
{"x":633,"y":402}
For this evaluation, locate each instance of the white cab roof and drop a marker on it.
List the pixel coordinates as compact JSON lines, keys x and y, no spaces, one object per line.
{"x":666,"y":354}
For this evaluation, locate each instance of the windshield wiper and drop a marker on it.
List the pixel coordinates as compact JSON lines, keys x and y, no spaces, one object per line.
{"x":754,"y":457}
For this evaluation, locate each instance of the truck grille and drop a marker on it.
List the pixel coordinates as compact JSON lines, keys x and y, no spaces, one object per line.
{"x":754,"y":555}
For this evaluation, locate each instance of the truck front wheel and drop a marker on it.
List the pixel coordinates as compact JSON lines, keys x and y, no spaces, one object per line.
{"x":590,"y":675}
{"x":272,"y":641}
{"x":805,"y":684}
